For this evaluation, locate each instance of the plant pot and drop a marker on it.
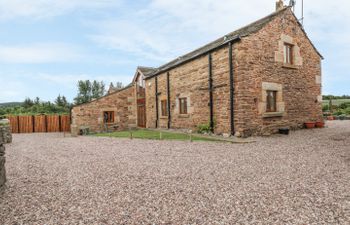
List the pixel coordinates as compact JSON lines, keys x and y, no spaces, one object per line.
{"x":319,"y":124}
{"x":310,"y":125}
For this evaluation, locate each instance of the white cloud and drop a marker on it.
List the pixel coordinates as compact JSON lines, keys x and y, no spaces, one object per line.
{"x":39,"y":53}
{"x":165,"y":29}
{"x":70,"y":80}
{"x":47,"y":86}
{"x":37,"y":9}
{"x":133,"y":38}
{"x":11,"y":89}
{"x":213,"y":17}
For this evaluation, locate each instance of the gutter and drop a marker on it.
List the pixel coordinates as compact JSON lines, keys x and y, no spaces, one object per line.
{"x":232,"y":89}
{"x":210,"y":81}
{"x":233,"y":39}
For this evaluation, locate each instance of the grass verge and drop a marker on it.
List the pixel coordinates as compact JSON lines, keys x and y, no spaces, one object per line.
{"x":154,"y":135}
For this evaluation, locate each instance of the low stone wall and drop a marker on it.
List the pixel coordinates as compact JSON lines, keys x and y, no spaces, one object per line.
{"x":2,"y":165}
{"x":5,"y":131}
{"x":5,"y":138}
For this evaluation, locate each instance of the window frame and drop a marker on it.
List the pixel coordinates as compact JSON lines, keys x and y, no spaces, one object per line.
{"x":110,"y":117}
{"x":164,"y":107}
{"x":269,"y":107}
{"x":183,"y":106}
{"x":288,"y":54}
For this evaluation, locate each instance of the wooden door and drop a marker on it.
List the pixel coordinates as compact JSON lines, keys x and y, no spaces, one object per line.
{"x":141,"y":116}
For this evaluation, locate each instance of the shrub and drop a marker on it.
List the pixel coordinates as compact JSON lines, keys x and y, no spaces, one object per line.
{"x":344,"y":105}
{"x":204,"y":128}
{"x":325,"y":108}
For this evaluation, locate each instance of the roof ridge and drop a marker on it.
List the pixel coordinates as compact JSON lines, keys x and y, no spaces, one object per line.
{"x":242,"y":31}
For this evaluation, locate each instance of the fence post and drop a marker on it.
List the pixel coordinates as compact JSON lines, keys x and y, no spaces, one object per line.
{"x":33,"y":123}
{"x":18,"y":125}
{"x":46,"y":127}
{"x":59,"y":124}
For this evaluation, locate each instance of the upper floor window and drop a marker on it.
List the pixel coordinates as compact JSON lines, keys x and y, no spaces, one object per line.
{"x":164,"y":108}
{"x":288,"y":53}
{"x":271,"y":101}
{"x":183,"y":105}
{"x":141,"y":81}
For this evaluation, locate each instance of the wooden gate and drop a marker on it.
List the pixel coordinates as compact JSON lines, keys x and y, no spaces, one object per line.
{"x":141,"y":113}
{"x":40,"y":123}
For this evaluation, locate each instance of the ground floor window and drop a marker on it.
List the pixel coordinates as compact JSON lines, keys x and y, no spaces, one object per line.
{"x":183,"y":105}
{"x":108,"y":117}
{"x":271,"y":101}
{"x":164,"y":108}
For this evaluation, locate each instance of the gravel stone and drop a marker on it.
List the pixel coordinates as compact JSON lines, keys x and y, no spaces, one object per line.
{"x":302,"y":178}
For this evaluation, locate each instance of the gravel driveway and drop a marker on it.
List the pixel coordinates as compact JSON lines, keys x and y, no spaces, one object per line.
{"x":300,"y":179}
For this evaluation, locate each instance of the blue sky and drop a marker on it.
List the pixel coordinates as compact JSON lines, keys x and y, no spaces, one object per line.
{"x":46,"y":46}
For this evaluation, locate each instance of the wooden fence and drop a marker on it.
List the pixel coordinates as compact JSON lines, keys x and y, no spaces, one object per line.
{"x":40,"y":123}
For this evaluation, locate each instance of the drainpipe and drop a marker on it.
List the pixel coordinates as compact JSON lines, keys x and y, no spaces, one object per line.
{"x":156,"y":89}
{"x":168,"y":101}
{"x":232,"y":89}
{"x":210,"y":81}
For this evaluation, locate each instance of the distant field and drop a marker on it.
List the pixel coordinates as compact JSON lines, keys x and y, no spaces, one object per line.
{"x":10,"y":104}
{"x":336,"y":101}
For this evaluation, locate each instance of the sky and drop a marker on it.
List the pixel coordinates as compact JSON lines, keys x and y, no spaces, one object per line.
{"x":46,"y":46}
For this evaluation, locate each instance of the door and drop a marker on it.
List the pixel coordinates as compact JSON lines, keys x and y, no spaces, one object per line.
{"x":141,"y":116}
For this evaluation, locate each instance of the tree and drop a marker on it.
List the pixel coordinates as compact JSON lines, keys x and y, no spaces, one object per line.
{"x":28,"y":103}
{"x":58,"y":100}
{"x":87,"y":91}
{"x":119,"y":85}
{"x":97,"y":89}
{"x":65,"y":102}
{"x":37,"y":101}
{"x":111,"y":87}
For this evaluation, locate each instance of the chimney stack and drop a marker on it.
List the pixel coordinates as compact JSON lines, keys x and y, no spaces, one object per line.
{"x":279,"y":5}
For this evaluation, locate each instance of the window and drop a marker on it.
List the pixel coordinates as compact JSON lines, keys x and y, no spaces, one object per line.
{"x":164,"y":108}
{"x":141,"y":81}
{"x":108,"y":117}
{"x":271,"y":101}
{"x":183,"y":105}
{"x":288,"y":53}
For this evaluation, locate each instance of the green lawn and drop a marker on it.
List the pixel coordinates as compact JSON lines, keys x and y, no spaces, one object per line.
{"x":336,"y":101}
{"x":154,"y":135}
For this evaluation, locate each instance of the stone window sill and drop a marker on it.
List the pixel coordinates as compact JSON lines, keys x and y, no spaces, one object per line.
{"x":289,"y":66}
{"x":183,"y":115}
{"x":272,"y":114}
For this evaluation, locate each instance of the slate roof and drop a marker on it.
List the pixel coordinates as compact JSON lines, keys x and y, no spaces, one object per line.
{"x":233,"y":36}
{"x":147,"y":71}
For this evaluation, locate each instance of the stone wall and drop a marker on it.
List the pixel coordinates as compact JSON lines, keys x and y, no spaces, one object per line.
{"x":258,"y":66}
{"x":122,"y":103}
{"x":5,"y":138}
{"x":191,"y":81}
{"x":2,"y":165}
{"x":5,"y":131}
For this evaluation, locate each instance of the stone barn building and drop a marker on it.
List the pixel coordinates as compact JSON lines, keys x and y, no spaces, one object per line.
{"x":262,"y":77}
{"x":118,"y":110}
